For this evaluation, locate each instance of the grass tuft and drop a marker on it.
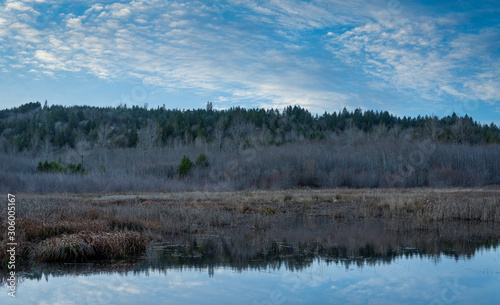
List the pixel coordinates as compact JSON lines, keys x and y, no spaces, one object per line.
{"x":126,"y":224}
{"x":84,"y":246}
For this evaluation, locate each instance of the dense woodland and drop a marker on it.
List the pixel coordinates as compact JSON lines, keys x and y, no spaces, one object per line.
{"x":84,"y":148}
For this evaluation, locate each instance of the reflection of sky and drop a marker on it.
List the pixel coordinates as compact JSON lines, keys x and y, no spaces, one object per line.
{"x":404,"y":281}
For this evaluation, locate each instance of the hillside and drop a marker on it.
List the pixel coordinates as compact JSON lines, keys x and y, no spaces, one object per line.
{"x":25,"y":127}
{"x":84,"y":148}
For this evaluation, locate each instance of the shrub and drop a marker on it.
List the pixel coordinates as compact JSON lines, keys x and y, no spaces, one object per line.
{"x":58,"y":167}
{"x":50,"y":167}
{"x":202,"y":160}
{"x":75,"y":168}
{"x":185,"y":166}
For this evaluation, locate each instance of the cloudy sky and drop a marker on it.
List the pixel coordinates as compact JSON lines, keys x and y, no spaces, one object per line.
{"x":407,"y":57}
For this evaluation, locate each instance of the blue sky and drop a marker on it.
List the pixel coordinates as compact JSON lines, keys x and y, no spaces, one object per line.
{"x":406,"y":57}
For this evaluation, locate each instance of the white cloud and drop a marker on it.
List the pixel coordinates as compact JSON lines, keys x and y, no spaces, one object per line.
{"x":191,"y":53}
{"x":294,"y":15}
{"x":49,"y":73}
{"x":75,"y":23}
{"x":180,"y":23}
{"x":45,"y":56}
{"x":265,"y":56}
{"x":487,"y":90}
{"x":411,"y":52}
{"x":121,"y":13}
{"x":94,"y":8}
{"x":59,"y":302}
{"x":17,"y":6}
{"x":24,"y":34}
{"x":123,"y":287}
{"x":3,"y":22}
{"x":452,"y":91}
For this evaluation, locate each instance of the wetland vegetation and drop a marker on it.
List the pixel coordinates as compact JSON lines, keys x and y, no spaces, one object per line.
{"x":241,"y":226}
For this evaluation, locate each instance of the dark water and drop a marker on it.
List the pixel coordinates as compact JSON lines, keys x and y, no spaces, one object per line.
{"x":311,"y":276}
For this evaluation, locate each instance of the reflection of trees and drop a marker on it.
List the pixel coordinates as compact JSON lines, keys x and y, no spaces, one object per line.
{"x":296,"y":257}
{"x":347,"y":244}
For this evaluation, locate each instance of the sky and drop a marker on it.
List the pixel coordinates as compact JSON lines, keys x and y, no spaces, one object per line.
{"x":407,"y":57}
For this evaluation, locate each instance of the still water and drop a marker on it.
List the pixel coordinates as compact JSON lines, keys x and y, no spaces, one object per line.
{"x":406,"y":278}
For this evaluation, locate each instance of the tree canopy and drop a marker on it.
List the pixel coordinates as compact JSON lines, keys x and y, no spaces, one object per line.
{"x":24,"y":126}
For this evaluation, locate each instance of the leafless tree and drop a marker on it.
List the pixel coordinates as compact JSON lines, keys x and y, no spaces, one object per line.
{"x":379,"y":131}
{"x":461,"y":130}
{"x":148,"y":137}
{"x":103,"y":135}
{"x":432,"y":129}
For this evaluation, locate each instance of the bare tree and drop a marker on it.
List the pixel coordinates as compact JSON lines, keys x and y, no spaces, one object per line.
{"x":219,"y":135}
{"x":396,"y":132}
{"x":379,"y":131}
{"x":46,"y":148}
{"x":148,"y":137}
{"x":432,"y":129}
{"x":103,"y":135}
{"x":83,"y":148}
{"x":461,"y":130}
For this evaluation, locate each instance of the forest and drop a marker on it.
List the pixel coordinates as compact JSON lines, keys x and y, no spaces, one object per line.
{"x":102,"y":149}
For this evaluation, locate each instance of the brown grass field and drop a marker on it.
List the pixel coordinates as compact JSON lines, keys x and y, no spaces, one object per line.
{"x":89,"y":227}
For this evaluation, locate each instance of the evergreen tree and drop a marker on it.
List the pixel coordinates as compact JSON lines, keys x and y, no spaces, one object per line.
{"x":185,"y":166}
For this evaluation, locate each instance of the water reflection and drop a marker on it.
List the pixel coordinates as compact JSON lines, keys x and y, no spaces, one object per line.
{"x":357,"y":263}
{"x":406,"y":278}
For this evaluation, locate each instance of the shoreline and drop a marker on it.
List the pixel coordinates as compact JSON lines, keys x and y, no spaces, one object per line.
{"x":72,"y":227}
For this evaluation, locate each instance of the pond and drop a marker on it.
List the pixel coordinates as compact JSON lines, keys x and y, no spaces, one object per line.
{"x":168,"y":276}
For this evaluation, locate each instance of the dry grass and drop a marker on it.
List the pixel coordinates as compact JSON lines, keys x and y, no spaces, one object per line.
{"x":69,"y":227}
{"x":36,"y":230}
{"x":88,"y":246}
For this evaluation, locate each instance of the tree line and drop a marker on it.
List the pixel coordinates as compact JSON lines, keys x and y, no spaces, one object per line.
{"x":30,"y":126}
{"x":83,"y":148}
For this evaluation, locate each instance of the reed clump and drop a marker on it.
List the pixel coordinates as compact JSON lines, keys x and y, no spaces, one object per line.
{"x":71,"y":247}
{"x":37,"y":230}
{"x":88,"y":246}
{"x":127,"y":223}
{"x":266,"y":210}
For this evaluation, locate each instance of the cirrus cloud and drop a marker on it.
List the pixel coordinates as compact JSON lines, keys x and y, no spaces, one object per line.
{"x":323,"y":55}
